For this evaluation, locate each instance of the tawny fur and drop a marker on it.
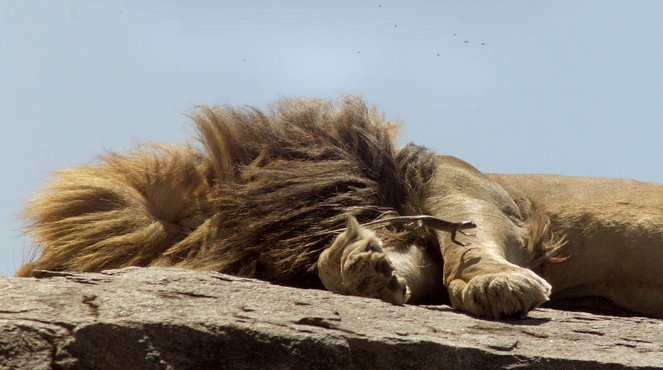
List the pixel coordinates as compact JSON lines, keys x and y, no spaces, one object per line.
{"x":260,"y":198}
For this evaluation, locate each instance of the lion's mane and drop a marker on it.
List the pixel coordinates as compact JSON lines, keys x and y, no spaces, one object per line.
{"x":258,"y":199}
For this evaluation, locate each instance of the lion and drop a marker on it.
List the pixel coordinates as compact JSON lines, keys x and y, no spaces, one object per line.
{"x":305,"y":194}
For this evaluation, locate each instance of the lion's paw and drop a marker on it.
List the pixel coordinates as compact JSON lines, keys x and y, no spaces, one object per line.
{"x":500,"y":294}
{"x":366,"y":271}
{"x":356,"y":264}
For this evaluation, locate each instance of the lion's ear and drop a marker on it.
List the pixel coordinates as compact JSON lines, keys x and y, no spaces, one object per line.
{"x":352,"y":227}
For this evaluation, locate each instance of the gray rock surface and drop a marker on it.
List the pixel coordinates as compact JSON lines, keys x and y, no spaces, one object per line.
{"x":175,"y":319}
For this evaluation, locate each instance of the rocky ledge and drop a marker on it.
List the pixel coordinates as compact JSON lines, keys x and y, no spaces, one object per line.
{"x":175,"y":319}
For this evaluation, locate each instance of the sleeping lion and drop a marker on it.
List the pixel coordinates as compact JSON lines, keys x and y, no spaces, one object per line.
{"x":315,"y":194}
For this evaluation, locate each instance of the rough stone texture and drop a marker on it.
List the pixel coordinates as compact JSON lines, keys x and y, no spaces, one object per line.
{"x":176,"y":319}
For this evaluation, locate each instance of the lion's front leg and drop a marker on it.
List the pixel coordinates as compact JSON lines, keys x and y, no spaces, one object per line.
{"x":481,"y":281}
{"x":489,"y":276}
{"x":357,"y":265}
{"x":500,"y":294}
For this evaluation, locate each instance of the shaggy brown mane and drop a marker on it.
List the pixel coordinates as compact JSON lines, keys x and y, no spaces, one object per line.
{"x":256,"y":202}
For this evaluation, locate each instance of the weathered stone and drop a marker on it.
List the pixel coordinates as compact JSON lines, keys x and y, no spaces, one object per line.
{"x":175,"y":319}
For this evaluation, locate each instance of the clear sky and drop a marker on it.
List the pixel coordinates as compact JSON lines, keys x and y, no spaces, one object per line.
{"x":566,"y":87}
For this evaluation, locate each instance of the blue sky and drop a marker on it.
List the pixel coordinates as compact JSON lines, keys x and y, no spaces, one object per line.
{"x":565,"y":87}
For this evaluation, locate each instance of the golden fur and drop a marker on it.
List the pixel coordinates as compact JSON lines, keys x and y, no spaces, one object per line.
{"x":258,"y":201}
{"x":261,"y":197}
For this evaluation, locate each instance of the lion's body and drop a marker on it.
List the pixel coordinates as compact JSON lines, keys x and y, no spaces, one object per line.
{"x":263,"y":197}
{"x":596,"y":237}
{"x":614,"y":237}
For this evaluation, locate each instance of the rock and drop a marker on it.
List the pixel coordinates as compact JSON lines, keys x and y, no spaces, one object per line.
{"x":148,"y":318}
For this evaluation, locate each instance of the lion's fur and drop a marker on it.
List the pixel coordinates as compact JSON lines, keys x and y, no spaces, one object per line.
{"x":584,"y":236}
{"x":613,"y":230}
{"x":258,"y":201}
{"x":262,"y":193}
